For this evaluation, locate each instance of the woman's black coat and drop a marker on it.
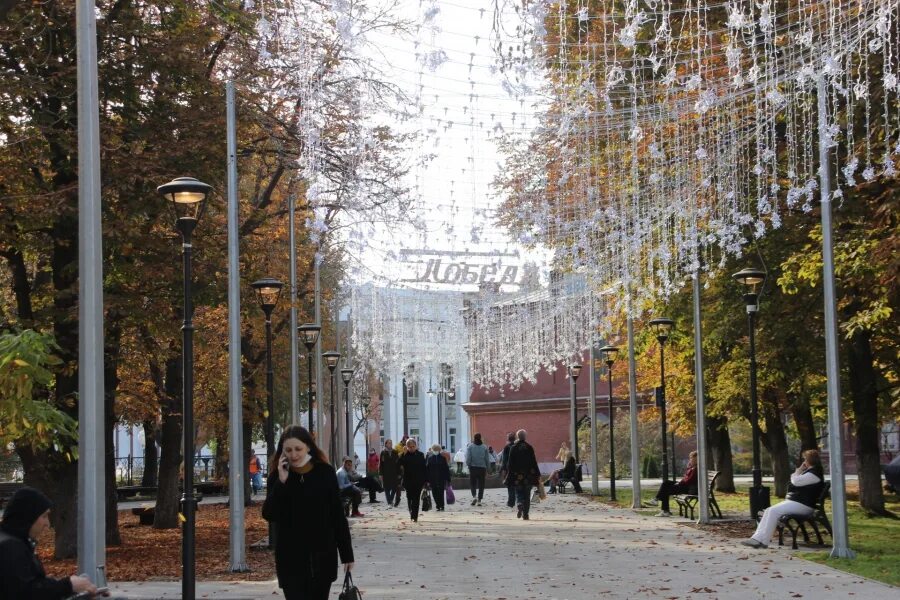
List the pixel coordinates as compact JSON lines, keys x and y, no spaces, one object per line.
{"x":412,"y":465}
{"x":389,"y":468}
{"x":310,"y":525}
{"x":437,"y":470}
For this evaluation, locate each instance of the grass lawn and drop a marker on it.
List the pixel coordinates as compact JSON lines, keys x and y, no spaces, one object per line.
{"x":874,"y":539}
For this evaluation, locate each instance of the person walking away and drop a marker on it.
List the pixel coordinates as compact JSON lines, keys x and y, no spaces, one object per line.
{"x":492,"y":456}
{"x":372,"y":462}
{"x":504,"y":470}
{"x":446,"y":455}
{"x":303,"y":503}
{"x":22,"y":576}
{"x":803,"y":492}
{"x":438,"y":473}
{"x":346,"y":486}
{"x":687,"y":485}
{"x":459,"y":458}
{"x":255,"y":469}
{"x":413,"y":477}
{"x":477,"y":459}
{"x":563,"y":453}
{"x":390,"y":473}
{"x":523,"y":472}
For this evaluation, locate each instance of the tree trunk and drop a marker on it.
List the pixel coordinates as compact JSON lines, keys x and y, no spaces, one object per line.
{"x":111,"y":383}
{"x":151,"y":457}
{"x":245,"y":460}
{"x":167,"y":496}
{"x":720,"y":442}
{"x":775,"y":441}
{"x":865,"y":412}
{"x":803,"y":419}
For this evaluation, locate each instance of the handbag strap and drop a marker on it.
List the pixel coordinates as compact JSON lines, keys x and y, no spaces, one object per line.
{"x":348,"y":581}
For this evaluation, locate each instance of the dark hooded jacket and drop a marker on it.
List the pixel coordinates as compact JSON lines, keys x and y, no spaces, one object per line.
{"x":22,"y":576}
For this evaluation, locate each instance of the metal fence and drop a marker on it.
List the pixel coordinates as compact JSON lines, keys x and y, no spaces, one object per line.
{"x":130,"y":469}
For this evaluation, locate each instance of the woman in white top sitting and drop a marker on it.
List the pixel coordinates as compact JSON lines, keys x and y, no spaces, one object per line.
{"x":803,"y":493}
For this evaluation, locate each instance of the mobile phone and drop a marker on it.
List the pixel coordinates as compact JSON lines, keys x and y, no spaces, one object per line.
{"x":103,"y":591}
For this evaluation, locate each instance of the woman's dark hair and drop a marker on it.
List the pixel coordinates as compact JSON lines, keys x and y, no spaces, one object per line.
{"x":298,"y":433}
{"x":570,"y":460}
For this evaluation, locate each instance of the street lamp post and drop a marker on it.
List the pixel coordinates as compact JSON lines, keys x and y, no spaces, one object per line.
{"x":609,"y":354}
{"x":346,"y":377}
{"x":188,"y":197}
{"x":268,"y":291}
{"x":574,"y":372}
{"x":753,"y":279}
{"x":309,"y":333}
{"x":331,"y":361}
{"x":662,"y":327}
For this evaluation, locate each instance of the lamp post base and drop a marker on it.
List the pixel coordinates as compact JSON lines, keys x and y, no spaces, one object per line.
{"x":760,"y":500}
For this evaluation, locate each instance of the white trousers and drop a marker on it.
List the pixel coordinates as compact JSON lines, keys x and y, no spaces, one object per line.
{"x":769,"y":521}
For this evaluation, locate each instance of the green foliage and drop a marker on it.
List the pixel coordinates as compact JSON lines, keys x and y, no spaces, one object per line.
{"x":26,"y":415}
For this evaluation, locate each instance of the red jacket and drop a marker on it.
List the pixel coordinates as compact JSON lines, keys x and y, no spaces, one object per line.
{"x":690,"y":477}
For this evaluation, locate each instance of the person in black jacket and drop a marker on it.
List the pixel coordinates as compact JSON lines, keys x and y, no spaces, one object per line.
{"x":438,"y":472}
{"x":22,"y":575}
{"x":303,"y":503}
{"x":390,"y":473}
{"x":504,"y":470}
{"x":412,"y":469}
{"x":523,"y":473}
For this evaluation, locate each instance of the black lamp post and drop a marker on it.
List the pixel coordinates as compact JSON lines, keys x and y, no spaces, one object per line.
{"x":268,"y":291}
{"x":364,"y":401}
{"x":662,"y":327}
{"x":188,"y":197}
{"x":753,"y":279}
{"x":309,"y":333}
{"x":574,"y":372}
{"x":331,"y":361}
{"x":346,"y":377}
{"x":609,"y":354}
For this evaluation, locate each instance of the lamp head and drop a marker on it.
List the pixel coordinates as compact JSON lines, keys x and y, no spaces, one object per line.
{"x":574,"y":371}
{"x":347,"y":375}
{"x":662,"y":327}
{"x":309,"y":333}
{"x":268,"y":291}
{"x":609,"y":354}
{"x":188,"y":198}
{"x":331,"y":359}
{"x":451,"y":394}
{"x":752,"y":280}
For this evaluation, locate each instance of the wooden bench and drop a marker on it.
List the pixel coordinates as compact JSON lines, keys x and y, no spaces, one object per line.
{"x":575,"y":482}
{"x":688,"y":502}
{"x":145,"y":514}
{"x":795,"y":523}
{"x":125,"y":492}
{"x":7,"y":489}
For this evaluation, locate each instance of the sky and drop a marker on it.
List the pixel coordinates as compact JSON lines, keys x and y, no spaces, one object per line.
{"x":449,"y":69}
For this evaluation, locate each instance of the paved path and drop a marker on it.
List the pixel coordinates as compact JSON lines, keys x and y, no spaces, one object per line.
{"x":573,"y":548}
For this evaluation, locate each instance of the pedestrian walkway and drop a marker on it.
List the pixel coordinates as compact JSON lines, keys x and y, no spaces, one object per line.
{"x":573,"y":548}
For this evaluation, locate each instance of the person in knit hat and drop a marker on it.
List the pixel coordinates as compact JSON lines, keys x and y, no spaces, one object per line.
{"x":22,"y":576}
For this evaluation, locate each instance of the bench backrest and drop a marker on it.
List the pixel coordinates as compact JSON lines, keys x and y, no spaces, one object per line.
{"x":712,"y":476}
{"x":578,"y":475}
{"x":826,"y":490}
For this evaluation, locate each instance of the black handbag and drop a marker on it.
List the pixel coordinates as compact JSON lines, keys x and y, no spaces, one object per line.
{"x":426,"y":501}
{"x":349,"y":591}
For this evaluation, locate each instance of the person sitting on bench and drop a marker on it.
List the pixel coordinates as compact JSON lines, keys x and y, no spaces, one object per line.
{"x":567,"y":473}
{"x":687,"y":485}
{"x":803,"y":492}
{"x":348,"y":490}
{"x":367,"y":483}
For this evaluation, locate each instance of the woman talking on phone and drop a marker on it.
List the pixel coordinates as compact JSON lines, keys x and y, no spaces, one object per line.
{"x":310,"y":527}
